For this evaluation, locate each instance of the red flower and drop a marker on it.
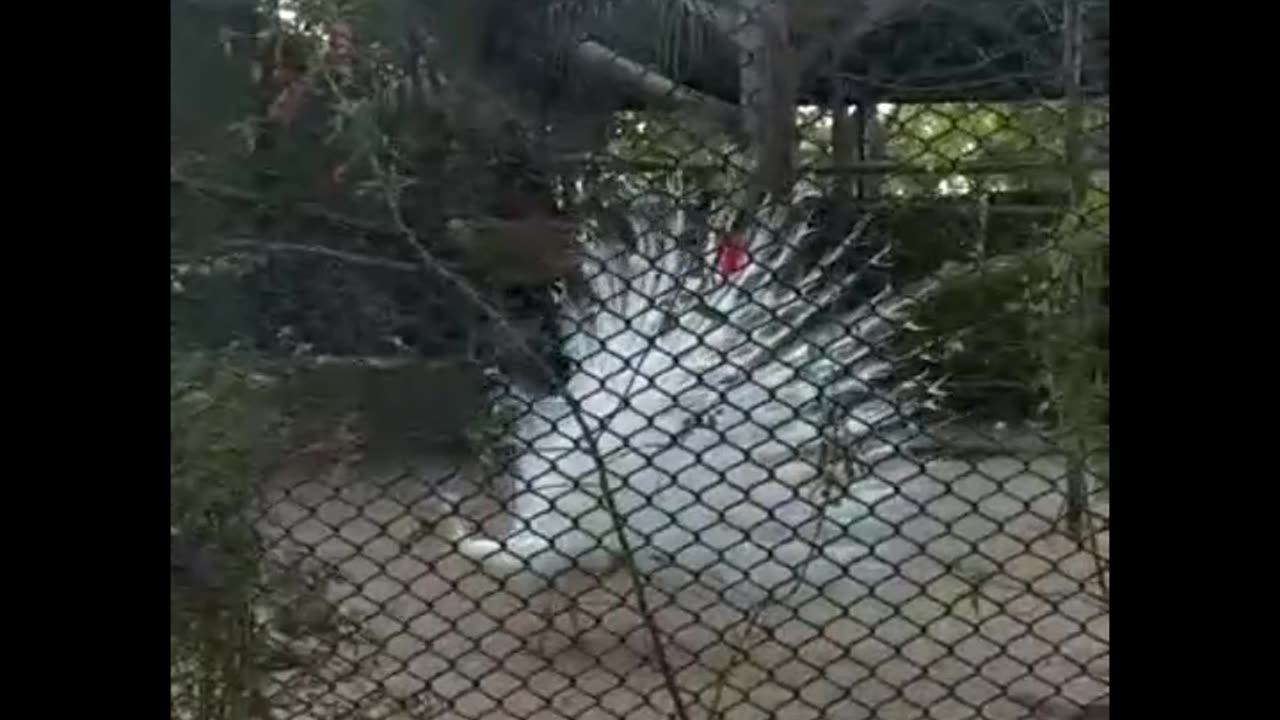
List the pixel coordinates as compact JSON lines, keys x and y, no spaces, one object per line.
{"x":733,"y":255}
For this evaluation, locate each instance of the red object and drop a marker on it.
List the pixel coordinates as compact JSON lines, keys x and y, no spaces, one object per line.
{"x":733,"y":255}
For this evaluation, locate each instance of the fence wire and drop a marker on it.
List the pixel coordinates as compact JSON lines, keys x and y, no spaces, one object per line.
{"x":801,"y":416}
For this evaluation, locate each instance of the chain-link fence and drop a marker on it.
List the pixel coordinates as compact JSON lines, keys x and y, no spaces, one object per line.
{"x":722,"y":359}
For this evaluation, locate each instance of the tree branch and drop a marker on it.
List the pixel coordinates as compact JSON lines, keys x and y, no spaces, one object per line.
{"x":320,"y":250}
{"x":432,"y":265}
{"x":309,"y":210}
{"x":470,"y":234}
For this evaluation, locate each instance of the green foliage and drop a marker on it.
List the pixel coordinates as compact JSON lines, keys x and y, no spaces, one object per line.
{"x":259,"y":616}
{"x":208,"y":70}
{"x":316,"y":179}
{"x":994,"y":333}
{"x":976,"y":328}
{"x":707,"y":171}
{"x":221,"y":435}
{"x":224,"y":430}
{"x":1074,"y":324}
{"x":978,"y":332}
{"x":942,"y":133}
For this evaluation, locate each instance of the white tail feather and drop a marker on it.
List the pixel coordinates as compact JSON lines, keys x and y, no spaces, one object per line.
{"x":701,"y":393}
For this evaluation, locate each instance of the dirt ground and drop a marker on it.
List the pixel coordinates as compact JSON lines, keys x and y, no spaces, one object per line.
{"x":967,"y":600}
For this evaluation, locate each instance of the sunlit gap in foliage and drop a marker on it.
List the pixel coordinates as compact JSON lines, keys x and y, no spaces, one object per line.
{"x":816,"y":123}
{"x":293,"y":16}
{"x":287,"y":11}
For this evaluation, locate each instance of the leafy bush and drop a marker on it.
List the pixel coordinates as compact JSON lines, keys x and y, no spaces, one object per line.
{"x":233,"y":619}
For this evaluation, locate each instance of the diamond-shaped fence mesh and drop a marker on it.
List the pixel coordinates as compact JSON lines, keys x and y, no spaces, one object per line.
{"x":725,"y":359}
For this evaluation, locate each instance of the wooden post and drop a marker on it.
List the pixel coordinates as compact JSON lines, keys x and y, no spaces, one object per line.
{"x":873,"y":144}
{"x":845,"y":144}
{"x":862,"y":127}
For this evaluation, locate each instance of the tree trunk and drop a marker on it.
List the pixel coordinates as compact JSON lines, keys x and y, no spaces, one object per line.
{"x":873,"y":143}
{"x":768,"y":82}
{"x":844,"y":140}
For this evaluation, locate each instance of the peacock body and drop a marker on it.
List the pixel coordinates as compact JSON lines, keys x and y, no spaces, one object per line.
{"x":727,"y":413}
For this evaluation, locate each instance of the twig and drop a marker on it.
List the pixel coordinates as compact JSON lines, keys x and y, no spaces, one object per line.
{"x":433,"y":265}
{"x":752,"y":621}
{"x":1061,"y":708}
{"x":310,"y":210}
{"x":1096,"y":552}
{"x":348,"y":257}
{"x":741,"y":653}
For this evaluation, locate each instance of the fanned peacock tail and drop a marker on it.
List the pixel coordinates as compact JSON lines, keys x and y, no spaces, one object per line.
{"x":710,"y":396}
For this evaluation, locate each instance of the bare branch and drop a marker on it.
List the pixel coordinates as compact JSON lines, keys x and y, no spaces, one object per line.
{"x":527,"y":243}
{"x":320,"y":250}
{"x":433,"y":265}
{"x":309,"y":210}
